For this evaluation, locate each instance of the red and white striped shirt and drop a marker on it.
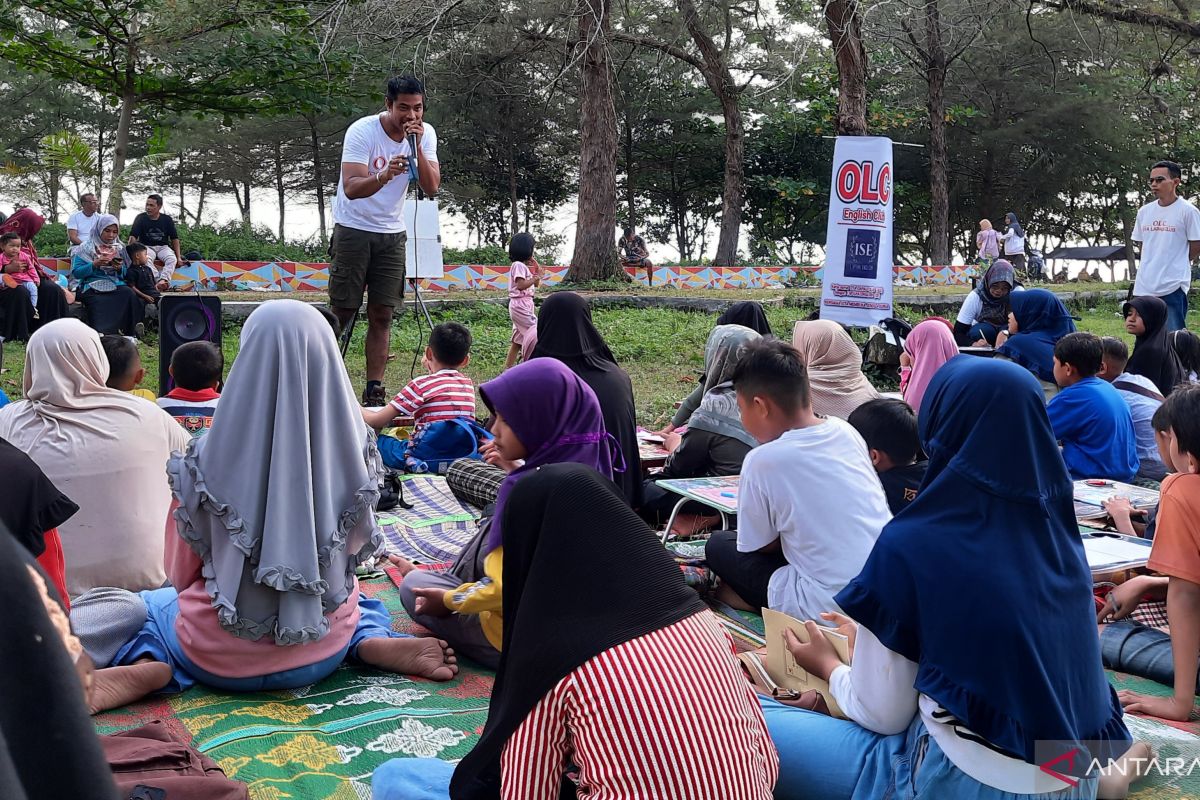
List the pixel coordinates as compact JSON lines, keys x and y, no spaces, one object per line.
{"x":442,"y":395}
{"x":668,"y":715}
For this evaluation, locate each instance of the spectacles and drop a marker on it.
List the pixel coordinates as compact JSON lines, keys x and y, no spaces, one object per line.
{"x":1157,"y":179}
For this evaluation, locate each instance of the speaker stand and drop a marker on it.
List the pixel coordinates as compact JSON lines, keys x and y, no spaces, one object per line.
{"x":420,"y":310}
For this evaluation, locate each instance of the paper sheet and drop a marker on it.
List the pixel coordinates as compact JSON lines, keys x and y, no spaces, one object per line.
{"x":1107,"y":553}
{"x":783,"y":668}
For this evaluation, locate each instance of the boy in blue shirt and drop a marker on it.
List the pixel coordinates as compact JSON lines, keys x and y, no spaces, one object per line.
{"x":1089,"y":418}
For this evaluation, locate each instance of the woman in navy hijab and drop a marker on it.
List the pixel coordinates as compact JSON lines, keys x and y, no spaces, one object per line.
{"x":951,"y":693}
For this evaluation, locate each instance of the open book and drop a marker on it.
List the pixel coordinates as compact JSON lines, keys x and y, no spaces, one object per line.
{"x":783,"y":670}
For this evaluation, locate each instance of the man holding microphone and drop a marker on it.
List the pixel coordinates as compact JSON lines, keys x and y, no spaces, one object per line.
{"x":367,"y":248}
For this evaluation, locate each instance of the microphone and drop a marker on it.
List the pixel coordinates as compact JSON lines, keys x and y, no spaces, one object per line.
{"x":412,"y":157}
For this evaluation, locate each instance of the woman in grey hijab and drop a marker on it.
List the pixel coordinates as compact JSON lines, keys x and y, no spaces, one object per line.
{"x":715,"y":442}
{"x":273,"y":511}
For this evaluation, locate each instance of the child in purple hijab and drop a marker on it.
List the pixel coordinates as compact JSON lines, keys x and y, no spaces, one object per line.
{"x":544,"y":414}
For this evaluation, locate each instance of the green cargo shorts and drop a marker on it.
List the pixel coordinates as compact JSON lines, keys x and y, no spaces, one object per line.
{"x":362,"y":260}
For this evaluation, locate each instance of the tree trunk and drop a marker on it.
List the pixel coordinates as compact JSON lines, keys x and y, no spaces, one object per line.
{"x":203,"y":192}
{"x":939,"y":159}
{"x":242,"y":204}
{"x":514,"y":205}
{"x":55,"y":188}
{"x":844,"y":21}
{"x":121,"y":147}
{"x":182,"y":206}
{"x":1128,"y":217}
{"x":595,"y":256}
{"x":720,"y":81}
{"x":99,"y":161}
{"x":279,"y":188}
{"x":319,"y":177}
{"x":128,"y":98}
{"x":630,"y":175}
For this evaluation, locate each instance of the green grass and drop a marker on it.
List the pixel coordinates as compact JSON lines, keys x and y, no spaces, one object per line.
{"x":661,"y":349}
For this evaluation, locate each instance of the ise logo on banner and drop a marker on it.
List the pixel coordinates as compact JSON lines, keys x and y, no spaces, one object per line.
{"x":862,"y":254}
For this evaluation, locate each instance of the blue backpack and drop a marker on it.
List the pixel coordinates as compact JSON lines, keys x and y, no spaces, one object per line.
{"x":435,"y":447}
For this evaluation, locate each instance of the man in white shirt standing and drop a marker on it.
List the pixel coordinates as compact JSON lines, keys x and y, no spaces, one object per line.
{"x":1169,"y":230}
{"x":367,"y":247}
{"x":80,"y":224}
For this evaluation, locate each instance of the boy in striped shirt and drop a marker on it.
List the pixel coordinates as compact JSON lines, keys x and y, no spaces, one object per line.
{"x":445,"y":393}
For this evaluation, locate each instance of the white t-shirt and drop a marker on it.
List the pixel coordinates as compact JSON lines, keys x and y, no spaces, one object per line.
{"x":1164,"y":232}
{"x":968,"y":314}
{"x":815,"y":490}
{"x":1013,"y":245}
{"x":82,"y":224}
{"x":366,"y":142}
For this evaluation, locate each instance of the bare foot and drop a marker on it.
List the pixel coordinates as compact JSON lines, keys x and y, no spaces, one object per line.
{"x":424,"y":658}
{"x":402,"y":564}
{"x":1130,"y":767}
{"x":731,"y":598}
{"x":118,"y":686}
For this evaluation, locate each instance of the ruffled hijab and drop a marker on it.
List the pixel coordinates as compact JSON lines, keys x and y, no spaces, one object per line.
{"x":834,"y":367}
{"x":994,"y":513}
{"x":557,"y":418}
{"x":930,"y":345}
{"x":1042,"y":320}
{"x":718,"y":412}
{"x":1153,"y":356}
{"x":277,"y":499}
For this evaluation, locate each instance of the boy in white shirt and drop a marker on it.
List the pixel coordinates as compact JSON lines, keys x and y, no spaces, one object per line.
{"x":810,"y":505}
{"x":1169,"y":230}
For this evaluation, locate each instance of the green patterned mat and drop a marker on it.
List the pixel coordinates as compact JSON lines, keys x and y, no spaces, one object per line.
{"x":324,"y":741}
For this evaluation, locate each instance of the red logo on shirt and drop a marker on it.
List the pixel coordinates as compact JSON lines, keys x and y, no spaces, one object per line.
{"x":379,"y":163}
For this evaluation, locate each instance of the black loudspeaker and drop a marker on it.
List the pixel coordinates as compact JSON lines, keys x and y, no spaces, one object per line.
{"x":184,"y":318}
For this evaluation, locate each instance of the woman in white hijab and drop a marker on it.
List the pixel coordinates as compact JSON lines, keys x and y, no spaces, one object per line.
{"x":273,"y":511}
{"x":105,"y":449}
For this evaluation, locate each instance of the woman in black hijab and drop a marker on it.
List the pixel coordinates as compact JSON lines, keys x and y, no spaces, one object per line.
{"x":601,"y":634}
{"x":48,"y":747}
{"x":565,"y":331}
{"x":1153,"y":357}
{"x":748,"y":314}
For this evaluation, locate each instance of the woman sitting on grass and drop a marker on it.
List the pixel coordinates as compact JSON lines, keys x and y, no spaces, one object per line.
{"x":715,"y":442}
{"x":274,"y":510}
{"x":613,"y":670}
{"x":834,"y":365}
{"x":544,"y":414}
{"x":103,"y":448}
{"x":948,"y":694}
{"x":1037,"y":321}
{"x":748,"y":314}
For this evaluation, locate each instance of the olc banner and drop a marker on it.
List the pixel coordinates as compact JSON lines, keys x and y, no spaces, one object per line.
{"x":856,"y":286}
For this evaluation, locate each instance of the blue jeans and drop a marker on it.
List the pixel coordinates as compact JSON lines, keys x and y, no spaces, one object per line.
{"x":412,"y":779}
{"x":983,"y":330}
{"x":823,"y":758}
{"x":157,"y":640}
{"x":1177,"y":308}
{"x":32,"y":288}
{"x":1139,"y":650}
